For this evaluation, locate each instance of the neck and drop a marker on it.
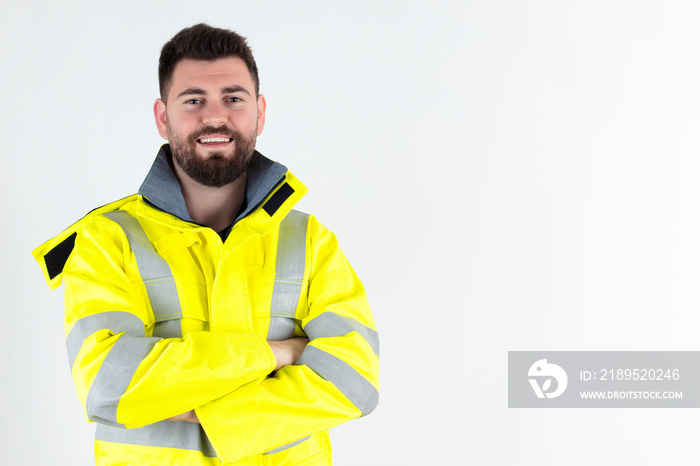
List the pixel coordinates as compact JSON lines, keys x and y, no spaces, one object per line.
{"x":216,"y":208}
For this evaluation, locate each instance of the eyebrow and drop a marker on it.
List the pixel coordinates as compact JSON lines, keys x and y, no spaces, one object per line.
{"x":234,"y":89}
{"x":225,"y":90}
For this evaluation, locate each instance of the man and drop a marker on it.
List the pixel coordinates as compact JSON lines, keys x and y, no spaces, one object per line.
{"x":206,"y":321}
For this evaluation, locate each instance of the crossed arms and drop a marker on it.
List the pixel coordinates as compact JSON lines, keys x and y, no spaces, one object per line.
{"x":220,"y":379}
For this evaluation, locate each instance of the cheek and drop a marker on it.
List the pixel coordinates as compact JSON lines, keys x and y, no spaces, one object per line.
{"x":250,"y":125}
{"x":180,"y":126}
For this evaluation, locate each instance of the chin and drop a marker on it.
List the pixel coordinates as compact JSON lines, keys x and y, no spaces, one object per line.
{"x":219,"y":154}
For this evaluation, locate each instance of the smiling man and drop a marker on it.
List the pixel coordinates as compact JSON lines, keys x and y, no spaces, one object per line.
{"x":207,"y":322}
{"x":212,"y":102}
{"x":212,"y":120}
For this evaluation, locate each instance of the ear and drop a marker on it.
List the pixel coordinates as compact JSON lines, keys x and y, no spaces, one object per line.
{"x":159,"y":113}
{"x":262,"y":105}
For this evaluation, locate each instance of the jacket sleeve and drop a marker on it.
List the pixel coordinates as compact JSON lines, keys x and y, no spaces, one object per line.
{"x":334,"y":380}
{"x":125,"y":377}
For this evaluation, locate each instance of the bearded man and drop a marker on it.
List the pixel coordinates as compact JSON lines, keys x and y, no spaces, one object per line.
{"x":207,"y":322}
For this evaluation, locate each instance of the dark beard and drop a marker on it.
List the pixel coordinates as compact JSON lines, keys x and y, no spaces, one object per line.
{"x":218,"y":169}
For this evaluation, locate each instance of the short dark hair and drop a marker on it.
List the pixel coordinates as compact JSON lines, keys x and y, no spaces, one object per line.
{"x":203,"y":42}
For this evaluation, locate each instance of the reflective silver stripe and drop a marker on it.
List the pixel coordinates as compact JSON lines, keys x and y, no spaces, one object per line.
{"x":289,"y":275}
{"x":166,"y":434}
{"x":114,"y":376}
{"x":330,"y":324}
{"x":281,"y":328}
{"x":287,"y":446}
{"x":168,"y":329}
{"x":115,"y":321}
{"x":154,"y":270}
{"x":356,"y":388}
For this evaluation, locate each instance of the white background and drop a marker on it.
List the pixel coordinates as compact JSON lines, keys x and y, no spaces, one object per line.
{"x":503,"y":175}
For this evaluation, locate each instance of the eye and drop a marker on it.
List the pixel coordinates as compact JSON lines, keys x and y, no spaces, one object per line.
{"x":233,"y":99}
{"x":192,"y":101}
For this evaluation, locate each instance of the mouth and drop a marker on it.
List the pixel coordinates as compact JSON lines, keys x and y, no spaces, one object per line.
{"x":214,"y":140}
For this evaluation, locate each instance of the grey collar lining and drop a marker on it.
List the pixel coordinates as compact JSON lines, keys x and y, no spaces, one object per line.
{"x":162,"y":189}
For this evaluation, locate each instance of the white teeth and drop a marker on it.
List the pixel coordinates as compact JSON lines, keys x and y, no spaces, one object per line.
{"x":205,"y":140}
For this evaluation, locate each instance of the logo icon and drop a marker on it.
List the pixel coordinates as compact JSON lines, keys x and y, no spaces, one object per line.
{"x":541,"y":370}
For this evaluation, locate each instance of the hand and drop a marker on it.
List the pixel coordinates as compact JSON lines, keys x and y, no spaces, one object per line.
{"x":287,"y":351}
{"x":189,"y":416}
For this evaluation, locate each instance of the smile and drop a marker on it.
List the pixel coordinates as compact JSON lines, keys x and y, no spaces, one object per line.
{"x":213,"y":140}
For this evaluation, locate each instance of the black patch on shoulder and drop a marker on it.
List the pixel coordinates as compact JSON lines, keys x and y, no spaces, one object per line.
{"x":56,"y":258}
{"x":277,"y":199}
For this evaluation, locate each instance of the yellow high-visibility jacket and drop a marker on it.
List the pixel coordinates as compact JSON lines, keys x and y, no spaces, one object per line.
{"x":162,"y":317}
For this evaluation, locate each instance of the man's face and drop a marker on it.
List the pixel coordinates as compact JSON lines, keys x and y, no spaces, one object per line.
{"x":212,"y":119}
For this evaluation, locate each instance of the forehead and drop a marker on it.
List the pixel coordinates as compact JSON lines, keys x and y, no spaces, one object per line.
{"x":214,"y":74}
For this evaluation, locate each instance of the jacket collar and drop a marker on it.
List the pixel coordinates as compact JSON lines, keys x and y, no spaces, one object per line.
{"x":162,"y":189}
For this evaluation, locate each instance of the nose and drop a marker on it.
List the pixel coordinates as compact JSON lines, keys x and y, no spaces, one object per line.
{"x":214,"y":114}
